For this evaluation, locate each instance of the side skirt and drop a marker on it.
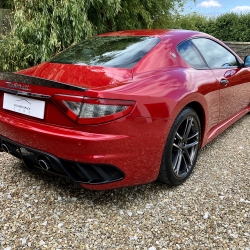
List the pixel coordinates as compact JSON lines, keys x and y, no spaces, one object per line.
{"x":218,"y":129}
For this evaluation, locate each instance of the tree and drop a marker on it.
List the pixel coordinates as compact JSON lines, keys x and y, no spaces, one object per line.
{"x":233,"y":27}
{"x":136,"y":14}
{"x":227,"y":27}
{"x":43,"y":28}
{"x":193,"y":21}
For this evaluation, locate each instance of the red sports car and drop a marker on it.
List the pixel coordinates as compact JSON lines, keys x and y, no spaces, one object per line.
{"x":124,"y":108}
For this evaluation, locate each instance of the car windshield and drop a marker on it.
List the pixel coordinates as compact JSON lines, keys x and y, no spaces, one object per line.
{"x":115,"y":52}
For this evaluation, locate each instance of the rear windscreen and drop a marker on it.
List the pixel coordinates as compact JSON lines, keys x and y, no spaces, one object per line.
{"x":115,"y":52}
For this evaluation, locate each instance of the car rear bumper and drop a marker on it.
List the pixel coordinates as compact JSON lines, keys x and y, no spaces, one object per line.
{"x":118,"y":159}
{"x":79,"y":172}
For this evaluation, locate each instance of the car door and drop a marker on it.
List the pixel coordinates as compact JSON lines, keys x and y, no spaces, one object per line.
{"x":233,"y":80}
{"x":203,"y":78}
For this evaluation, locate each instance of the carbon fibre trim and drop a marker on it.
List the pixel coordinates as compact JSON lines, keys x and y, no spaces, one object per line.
{"x":13,"y":79}
{"x":16,"y":92}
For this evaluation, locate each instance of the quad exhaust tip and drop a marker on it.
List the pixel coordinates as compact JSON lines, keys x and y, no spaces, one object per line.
{"x":4,"y":147}
{"x":44,"y":162}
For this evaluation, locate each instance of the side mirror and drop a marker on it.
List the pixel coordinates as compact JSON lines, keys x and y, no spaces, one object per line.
{"x":247,"y":61}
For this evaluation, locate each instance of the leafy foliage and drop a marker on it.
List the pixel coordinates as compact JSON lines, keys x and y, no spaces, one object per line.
{"x":43,"y":28}
{"x":227,"y":27}
{"x":233,"y":27}
{"x":5,"y":4}
{"x":141,"y":14}
{"x":193,"y":21}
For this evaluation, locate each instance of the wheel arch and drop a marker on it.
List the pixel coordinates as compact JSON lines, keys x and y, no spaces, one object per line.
{"x":198,"y":108}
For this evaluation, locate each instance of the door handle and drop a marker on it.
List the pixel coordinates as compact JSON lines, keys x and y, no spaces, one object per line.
{"x":224,"y":81}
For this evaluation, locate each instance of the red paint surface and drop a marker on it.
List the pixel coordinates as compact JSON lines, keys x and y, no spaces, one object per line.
{"x":160,"y":84}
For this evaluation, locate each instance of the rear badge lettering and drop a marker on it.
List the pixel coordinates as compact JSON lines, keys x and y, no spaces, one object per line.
{"x":18,"y":86}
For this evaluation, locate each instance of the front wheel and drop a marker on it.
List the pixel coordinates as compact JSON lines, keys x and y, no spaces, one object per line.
{"x":181,"y":149}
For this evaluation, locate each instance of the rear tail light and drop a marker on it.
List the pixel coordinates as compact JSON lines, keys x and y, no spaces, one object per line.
{"x":71,"y":105}
{"x":87,"y":110}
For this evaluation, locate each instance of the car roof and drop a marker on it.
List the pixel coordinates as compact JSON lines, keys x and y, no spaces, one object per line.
{"x":156,"y":33}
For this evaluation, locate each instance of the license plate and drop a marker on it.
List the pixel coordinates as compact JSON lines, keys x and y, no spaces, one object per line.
{"x":24,"y":105}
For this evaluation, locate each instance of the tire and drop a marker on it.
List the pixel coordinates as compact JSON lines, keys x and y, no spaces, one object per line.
{"x":181,"y":149}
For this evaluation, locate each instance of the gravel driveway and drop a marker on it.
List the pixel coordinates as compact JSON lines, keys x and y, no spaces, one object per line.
{"x":210,"y":211}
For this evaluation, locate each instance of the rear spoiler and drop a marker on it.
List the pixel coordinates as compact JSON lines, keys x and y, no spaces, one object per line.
{"x":14,"y":80}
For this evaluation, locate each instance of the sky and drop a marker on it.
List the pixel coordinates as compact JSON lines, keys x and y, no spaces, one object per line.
{"x":218,"y":7}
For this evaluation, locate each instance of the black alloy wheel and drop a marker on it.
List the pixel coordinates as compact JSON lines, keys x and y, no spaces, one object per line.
{"x":182,"y":147}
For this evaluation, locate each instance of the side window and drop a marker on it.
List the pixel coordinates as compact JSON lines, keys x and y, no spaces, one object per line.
{"x":215,"y":55}
{"x":191,"y":55}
